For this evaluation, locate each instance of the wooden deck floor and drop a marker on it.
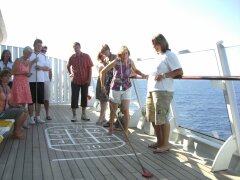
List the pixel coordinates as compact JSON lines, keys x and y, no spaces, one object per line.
{"x":60,"y":149}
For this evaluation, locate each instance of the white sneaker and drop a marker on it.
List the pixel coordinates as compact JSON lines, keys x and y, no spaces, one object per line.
{"x":85,"y":117}
{"x":40,"y":121}
{"x":74,"y":118}
{"x":31,"y":120}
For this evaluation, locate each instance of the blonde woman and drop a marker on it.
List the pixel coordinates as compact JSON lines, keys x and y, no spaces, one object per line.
{"x":120,"y":85}
{"x":21,"y":71}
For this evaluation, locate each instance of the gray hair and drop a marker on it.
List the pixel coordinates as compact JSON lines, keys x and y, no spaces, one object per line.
{"x":27,"y":49}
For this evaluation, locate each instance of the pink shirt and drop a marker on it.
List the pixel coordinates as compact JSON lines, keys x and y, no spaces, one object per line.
{"x":81,"y":67}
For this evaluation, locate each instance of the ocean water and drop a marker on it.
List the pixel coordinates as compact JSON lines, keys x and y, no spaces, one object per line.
{"x":199,"y":105}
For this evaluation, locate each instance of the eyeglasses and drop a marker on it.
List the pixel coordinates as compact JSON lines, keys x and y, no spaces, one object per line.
{"x":43,"y":51}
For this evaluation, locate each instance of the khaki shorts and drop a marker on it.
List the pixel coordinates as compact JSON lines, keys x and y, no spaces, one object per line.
{"x":158,"y":106}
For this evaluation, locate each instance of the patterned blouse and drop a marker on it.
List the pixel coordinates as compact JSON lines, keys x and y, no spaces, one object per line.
{"x":121,"y":72}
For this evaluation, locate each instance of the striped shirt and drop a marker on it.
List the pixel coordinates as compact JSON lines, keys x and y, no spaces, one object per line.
{"x":81,"y":67}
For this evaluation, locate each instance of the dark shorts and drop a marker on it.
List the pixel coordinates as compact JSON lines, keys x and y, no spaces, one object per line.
{"x":39,"y":89}
{"x":12,"y":113}
{"x":99,"y":95}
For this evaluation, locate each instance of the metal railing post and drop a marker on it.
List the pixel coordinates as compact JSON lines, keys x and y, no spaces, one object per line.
{"x":232,"y":145}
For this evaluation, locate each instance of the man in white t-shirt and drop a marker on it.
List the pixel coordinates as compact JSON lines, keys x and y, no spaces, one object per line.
{"x":48,"y":78}
{"x":36,"y":82}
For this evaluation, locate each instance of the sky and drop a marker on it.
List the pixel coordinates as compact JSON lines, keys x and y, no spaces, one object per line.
{"x":186,"y":24}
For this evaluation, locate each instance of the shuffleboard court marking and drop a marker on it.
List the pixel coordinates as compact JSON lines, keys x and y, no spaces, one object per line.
{"x":80,"y":137}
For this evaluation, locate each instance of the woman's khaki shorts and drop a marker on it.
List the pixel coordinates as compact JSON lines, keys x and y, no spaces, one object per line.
{"x":157,"y":106}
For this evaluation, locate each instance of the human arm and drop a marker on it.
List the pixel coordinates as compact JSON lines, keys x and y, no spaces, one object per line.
{"x":69,"y":66}
{"x":42,"y":68}
{"x":50,"y":74}
{"x":135,"y":70}
{"x":14,"y":69}
{"x":174,"y":68}
{"x":171,"y":74}
{"x":103,"y":74}
{"x":100,"y":68}
{"x":89,"y":76}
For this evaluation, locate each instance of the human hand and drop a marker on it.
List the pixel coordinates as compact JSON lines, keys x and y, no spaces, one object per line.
{"x":159,"y":77}
{"x":144,"y":76}
{"x":132,"y":75}
{"x":38,"y":67}
{"x":28,"y":74}
{"x":103,"y":89}
{"x":36,"y":60}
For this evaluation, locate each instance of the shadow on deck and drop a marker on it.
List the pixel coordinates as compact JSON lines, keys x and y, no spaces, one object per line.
{"x":60,"y":149}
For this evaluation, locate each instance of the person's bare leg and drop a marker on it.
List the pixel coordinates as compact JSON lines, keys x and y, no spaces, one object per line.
{"x":74,"y":111}
{"x":30,"y":110}
{"x":83,"y":109}
{"x":113,"y":109}
{"x":159,"y":135}
{"x":38,"y":110}
{"x":125,"y":111}
{"x":164,"y":146}
{"x":103,"y":105}
{"x":165,"y":131}
{"x":25,"y":124}
{"x":46,"y":106}
{"x":17,"y":131}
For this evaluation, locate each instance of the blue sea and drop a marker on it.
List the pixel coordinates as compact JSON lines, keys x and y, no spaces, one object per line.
{"x":200,"y":106}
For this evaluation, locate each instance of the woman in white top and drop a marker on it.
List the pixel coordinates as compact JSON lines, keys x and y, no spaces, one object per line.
{"x":160,"y":91}
{"x":6,"y":63}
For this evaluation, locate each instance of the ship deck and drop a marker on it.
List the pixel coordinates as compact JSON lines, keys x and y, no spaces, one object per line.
{"x":60,"y":149}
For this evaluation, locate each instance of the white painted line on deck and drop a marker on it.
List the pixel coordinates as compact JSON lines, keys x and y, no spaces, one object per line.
{"x":70,"y":123}
{"x":94,"y":157}
{"x":70,"y":137}
{"x":88,"y":144}
{"x":90,"y":134}
{"x":71,"y":132}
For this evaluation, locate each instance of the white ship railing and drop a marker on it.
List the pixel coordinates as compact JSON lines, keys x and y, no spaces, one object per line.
{"x":61,"y":94}
{"x":60,"y":86}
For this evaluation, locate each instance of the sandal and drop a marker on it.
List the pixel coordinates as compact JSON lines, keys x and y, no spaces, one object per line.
{"x":99,"y":123}
{"x":154,"y":145}
{"x":161,"y":150}
{"x":117,"y":129}
{"x":107,"y":124}
{"x":104,"y":121}
{"x":25,"y":127}
{"x":48,"y":118}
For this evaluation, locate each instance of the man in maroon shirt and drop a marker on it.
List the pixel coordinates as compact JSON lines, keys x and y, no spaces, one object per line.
{"x":80,"y":69}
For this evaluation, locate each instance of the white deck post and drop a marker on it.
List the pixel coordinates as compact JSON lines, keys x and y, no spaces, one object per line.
{"x":232,"y":145}
{"x":60,"y":82}
{"x":65,"y":92}
{"x":55,"y":80}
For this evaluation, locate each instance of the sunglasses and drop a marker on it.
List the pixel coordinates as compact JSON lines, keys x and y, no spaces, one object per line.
{"x":43,"y":51}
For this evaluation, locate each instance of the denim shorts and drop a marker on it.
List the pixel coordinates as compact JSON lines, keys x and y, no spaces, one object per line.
{"x":12,"y":113}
